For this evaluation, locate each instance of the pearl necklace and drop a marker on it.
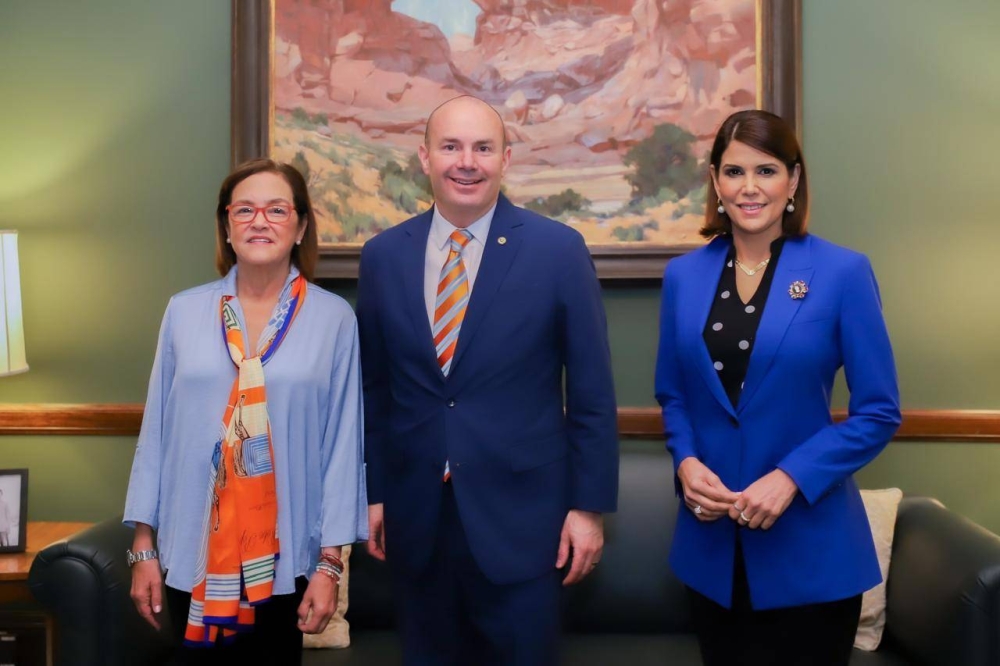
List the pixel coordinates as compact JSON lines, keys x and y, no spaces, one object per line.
{"x":756,"y":269}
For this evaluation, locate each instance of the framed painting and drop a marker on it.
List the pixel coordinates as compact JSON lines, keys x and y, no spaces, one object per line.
{"x":610,"y":106}
{"x":13,"y":510}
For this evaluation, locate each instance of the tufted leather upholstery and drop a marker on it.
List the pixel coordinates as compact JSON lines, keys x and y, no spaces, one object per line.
{"x":943,"y":591}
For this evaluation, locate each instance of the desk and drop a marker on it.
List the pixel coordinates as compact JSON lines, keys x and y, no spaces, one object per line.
{"x":19,"y":613}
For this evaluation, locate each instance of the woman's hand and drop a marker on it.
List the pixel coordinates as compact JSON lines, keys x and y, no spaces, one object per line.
{"x":320,"y":600}
{"x":147,"y":579}
{"x":704,"y":493}
{"x":318,"y":604}
{"x":763,"y":502}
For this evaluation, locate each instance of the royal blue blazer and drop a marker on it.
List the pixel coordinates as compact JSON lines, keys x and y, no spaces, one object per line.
{"x":526,"y":417}
{"x":821,"y":548}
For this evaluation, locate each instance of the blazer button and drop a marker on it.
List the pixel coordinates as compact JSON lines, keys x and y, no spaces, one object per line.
{"x":734,"y":421}
{"x":451,"y":403}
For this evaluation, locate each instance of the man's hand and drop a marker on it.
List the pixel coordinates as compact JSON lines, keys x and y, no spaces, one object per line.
{"x":376,"y":532}
{"x":763,"y":502}
{"x":583,"y":535}
{"x":704,"y":493}
{"x":318,"y":604}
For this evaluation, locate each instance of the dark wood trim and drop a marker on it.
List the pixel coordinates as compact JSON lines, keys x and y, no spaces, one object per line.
{"x":251,"y":120}
{"x":781,"y":59}
{"x":919,"y":425}
{"x":77,"y":419}
{"x":250,"y":93}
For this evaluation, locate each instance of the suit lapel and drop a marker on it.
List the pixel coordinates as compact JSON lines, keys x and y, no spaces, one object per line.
{"x":412,"y":260}
{"x":794,"y":264}
{"x":700,"y":293}
{"x":493,"y":267}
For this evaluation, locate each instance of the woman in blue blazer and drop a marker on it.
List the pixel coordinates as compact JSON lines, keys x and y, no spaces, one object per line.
{"x":772,"y":541}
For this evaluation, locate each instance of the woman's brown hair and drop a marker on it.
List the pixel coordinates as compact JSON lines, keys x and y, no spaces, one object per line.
{"x":769,"y":134}
{"x":304,"y":256}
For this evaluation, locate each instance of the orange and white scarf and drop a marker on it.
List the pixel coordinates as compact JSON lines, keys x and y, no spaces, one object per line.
{"x":237,"y":560}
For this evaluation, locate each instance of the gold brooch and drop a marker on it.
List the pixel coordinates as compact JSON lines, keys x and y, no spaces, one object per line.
{"x":502,"y":240}
{"x":798,"y":290}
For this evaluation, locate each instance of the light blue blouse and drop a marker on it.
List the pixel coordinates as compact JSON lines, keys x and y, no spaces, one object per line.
{"x":313,"y":387}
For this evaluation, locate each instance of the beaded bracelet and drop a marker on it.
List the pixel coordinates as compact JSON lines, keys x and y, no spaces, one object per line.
{"x":329,"y":571}
{"x":333,"y":561}
{"x":331,"y":566}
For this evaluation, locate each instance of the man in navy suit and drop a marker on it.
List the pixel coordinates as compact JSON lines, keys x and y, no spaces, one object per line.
{"x":490,"y":418}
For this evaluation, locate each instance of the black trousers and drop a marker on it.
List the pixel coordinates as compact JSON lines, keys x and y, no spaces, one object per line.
{"x":275,"y":638}
{"x":811,"y":635}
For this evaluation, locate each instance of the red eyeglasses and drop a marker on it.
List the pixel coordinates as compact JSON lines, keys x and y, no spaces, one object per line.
{"x":276,"y":213}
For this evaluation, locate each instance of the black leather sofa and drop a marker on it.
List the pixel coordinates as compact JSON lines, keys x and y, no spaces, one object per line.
{"x":943,"y":592}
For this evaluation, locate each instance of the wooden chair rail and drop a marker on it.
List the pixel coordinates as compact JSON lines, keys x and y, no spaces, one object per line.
{"x":936,"y":425}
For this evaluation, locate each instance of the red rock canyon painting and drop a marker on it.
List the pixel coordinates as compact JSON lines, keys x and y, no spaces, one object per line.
{"x":610,"y":105}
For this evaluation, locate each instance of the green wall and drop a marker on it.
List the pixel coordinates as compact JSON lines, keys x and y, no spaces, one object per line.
{"x":901,"y":105}
{"x":115,"y":135}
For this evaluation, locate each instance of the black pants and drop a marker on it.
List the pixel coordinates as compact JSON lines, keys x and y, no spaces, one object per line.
{"x":810,"y":635}
{"x":274,"y":639}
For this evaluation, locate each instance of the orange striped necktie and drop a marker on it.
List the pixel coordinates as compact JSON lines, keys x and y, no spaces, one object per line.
{"x":452,"y":299}
{"x":449,"y":307}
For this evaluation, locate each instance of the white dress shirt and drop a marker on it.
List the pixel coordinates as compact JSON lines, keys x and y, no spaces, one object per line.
{"x":437,"y":254}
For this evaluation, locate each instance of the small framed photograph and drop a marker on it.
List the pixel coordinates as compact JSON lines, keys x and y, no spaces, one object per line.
{"x":13,"y":510}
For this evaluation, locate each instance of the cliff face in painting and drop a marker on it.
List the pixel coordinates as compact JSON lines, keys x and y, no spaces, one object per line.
{"x":610,"y":104}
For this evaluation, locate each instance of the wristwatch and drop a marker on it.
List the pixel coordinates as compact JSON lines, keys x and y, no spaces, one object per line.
{"x":141,"y":556}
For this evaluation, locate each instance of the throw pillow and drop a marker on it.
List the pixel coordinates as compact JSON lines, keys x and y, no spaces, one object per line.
{"x":881,"y":507}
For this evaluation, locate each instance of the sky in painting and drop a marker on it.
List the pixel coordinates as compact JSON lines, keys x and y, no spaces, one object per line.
{"x":452,"y":16}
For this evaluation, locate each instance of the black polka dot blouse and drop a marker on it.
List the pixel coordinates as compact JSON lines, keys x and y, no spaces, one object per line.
{"x":732,"y":324}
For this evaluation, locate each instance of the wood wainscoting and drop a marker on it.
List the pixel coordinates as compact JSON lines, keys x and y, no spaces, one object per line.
{"x":121,"y":419}
{"x":919,"y":425}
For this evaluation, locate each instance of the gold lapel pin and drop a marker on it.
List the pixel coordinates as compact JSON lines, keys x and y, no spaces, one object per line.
{"x":798,"y":290}
{"x":502,"y":240}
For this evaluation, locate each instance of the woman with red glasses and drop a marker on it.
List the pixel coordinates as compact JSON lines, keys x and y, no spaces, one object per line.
{"x":248,"y":475}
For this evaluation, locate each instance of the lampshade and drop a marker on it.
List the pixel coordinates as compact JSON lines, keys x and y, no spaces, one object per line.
{"x":12,"y":359}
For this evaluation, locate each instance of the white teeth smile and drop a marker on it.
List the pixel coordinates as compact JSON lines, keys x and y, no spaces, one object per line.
{"x":751,"y":207}
{"x":465,"y":182}
{"x":259,"y":240}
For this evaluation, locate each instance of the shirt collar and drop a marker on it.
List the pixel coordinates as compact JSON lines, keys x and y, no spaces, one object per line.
{"x":441,"y":228}
{"x":229,"y":282}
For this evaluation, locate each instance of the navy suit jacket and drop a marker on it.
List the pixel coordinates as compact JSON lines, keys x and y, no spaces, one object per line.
{"x":527,"y":415}
{"x":821,"y":548}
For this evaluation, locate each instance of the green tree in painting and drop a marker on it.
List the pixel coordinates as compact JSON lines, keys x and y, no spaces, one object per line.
{"x":302,"y":165}
{"x":396,"y":186}
{"x":415,"y":173}
{"x":557,"y":204}
{"x":631,"y":233}
{"x":664,"y":159}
